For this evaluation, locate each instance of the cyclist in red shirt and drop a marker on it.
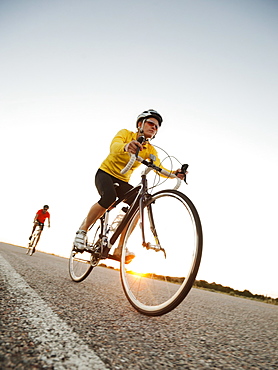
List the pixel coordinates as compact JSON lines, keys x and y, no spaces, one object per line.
{"x":40,"y":218}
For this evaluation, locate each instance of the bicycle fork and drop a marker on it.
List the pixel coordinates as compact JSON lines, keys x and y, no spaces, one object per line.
{"x":156,"y":247}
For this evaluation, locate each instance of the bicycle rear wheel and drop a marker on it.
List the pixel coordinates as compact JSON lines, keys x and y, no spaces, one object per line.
{"x":82,"y":263}
{"x":163,"y":272}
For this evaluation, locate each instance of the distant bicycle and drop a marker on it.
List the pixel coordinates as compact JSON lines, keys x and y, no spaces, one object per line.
{"x":165,"y":233}
{"x":35,"y":238}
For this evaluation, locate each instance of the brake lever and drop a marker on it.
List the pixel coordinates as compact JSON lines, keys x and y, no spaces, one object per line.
{"x":141,"y":140}
{"x":184,"y":168}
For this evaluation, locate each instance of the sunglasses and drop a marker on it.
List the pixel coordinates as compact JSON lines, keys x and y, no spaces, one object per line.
{"x":151,"y":123}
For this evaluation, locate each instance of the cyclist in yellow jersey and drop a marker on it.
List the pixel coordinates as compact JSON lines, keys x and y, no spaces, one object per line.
{"x":109,"y":173}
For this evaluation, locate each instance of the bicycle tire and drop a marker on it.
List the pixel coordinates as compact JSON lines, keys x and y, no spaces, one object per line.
{"x":81,"y":264}
{"x":156,"y":282}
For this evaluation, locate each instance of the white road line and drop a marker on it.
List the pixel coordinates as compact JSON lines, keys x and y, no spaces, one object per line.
{"x":59,"y":346}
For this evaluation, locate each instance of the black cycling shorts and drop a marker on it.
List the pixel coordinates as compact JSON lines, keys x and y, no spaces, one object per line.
{"x":108,"y":192}
{"x":41,"y":224}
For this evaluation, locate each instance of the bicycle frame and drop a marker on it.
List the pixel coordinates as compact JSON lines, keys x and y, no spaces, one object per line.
{"x":140,"y":190}
{"x":142,"y":195}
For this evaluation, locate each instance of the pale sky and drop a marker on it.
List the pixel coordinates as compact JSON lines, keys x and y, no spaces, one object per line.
{"x":73,"y":73}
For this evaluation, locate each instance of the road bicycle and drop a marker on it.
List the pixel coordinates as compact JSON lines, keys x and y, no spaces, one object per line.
{"x":165,"y":233}
{"x":35,"y":238}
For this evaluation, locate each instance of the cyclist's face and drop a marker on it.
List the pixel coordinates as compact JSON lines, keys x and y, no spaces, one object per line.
{"x":150,"y":127}
{"x":45,"y":210}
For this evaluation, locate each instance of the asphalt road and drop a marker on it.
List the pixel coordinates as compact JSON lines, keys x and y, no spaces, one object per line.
{"x":50,"y":322}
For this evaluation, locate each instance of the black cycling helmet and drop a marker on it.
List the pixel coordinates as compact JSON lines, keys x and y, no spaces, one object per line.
{"x":46,"y":206}
{"x":149,"y":113}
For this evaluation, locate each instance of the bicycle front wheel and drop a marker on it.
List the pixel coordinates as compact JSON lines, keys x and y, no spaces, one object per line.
{"x":82,"y":263}
{"x":33,"y":243}
{"x":165,"y":267}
